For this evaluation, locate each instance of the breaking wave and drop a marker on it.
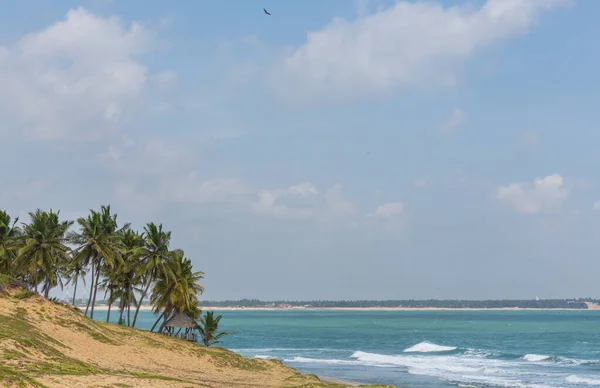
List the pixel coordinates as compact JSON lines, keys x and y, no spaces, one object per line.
{"x":582,"y":380}
{"x":468,"y":366}
{"x":428,"y":347}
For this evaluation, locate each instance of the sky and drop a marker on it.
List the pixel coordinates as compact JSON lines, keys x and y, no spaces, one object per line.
{"x":332,"y":150}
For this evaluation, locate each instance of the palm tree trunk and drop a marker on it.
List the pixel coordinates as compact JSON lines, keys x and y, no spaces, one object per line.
{"x":91,"y":288}
{"x":110,"y":302}
{"x":128,"y":307}
{"x":135,"y":302}
{"x":158,"y":320}
{"x":75,"y":291}
{"x":122,"y":307}
{"x":47,"y":286}
{"x":95,"y":291}
{"x":36,"y":278}
{"x":139,"y":304}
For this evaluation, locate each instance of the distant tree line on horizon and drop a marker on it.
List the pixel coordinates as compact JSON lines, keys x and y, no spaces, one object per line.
{"x":432,"y":303}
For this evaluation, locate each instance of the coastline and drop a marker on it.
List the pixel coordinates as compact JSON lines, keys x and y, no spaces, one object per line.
{"x":591,"y":307}
{"x":46,"y":344}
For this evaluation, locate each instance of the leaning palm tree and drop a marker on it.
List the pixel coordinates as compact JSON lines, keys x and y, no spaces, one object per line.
{"x":9,"y":233}
{"x":209,"y":327}
{"x":155,"y":260}
{"x":98,"y":244}
{"x":43,"y":252}
{"x":180,"y":295}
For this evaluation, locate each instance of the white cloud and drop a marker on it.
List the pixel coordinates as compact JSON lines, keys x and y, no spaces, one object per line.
{"x":304,"y":201}
{"x":596,"y":205}
{"x":408,"y":44}
{"x":388,"y":210}
{"x":78,"y":78}
{"x":273,"y":202}
{"x":543,"y":195}
{"x":454,"y":122}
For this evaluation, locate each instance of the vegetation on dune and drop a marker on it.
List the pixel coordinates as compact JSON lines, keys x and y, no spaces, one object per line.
{"x":128,"y":266}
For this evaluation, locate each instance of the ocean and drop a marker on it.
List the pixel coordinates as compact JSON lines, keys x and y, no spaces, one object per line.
{"x":414,"y":349}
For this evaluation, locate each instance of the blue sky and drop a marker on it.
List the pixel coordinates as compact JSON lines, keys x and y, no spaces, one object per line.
{"x":333,"y":150}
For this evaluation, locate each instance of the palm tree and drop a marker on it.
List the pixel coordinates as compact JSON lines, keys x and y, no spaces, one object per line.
{"x":180,"y":295}
{"x":98,"y":244}
{"x":208,"y":328}
{"x":43,"y":252}
{"x":123,"y":280}
{"x":9,"y":233}
{"x":155,"y":261}
{"x":75,"y":270}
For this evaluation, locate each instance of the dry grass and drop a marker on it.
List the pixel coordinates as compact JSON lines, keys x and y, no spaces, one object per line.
{"x":43,"y":344}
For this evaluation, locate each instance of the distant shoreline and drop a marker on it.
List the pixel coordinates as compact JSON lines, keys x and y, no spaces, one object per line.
{"x":591,"y":307}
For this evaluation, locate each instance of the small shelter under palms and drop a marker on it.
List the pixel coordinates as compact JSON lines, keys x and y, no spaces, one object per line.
{"x":181,"y":321}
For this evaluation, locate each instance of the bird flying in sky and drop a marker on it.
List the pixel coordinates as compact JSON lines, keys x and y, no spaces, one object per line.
{"x":267,"y":12}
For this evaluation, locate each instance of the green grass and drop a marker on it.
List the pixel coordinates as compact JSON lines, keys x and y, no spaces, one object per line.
{"x":152,"y":376}
{"x":25,"y":294}
{"x":11,"y":376}
{"x":88,"y":327}
{"x":225,"y":358}
{"x":62,"y":366}
{"x":11,"y":355}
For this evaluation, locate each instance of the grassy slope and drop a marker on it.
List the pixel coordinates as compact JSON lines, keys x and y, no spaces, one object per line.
{"x":53,"y":345}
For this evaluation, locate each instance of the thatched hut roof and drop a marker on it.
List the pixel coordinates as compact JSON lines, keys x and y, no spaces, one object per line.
{"x":180,"y":320}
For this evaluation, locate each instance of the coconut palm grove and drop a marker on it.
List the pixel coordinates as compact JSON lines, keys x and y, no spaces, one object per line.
{"x":126,"y":265}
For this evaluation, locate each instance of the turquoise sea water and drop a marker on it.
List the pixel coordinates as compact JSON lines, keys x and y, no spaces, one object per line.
{"x":424,"y":349}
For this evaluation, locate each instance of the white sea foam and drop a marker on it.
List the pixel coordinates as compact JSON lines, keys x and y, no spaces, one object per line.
{"x":428,"y":347}
{"x":453,"y":368}
{"x":480,"y":353}
{"x":582,"y":380}
{"x":306,"y":360}
{"x":471,"y":367}
{"x":536,"y":357}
